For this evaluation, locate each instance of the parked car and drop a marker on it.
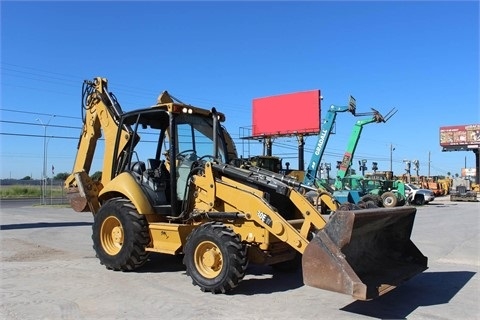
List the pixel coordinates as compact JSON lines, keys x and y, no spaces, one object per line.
{"x":417,"y":195}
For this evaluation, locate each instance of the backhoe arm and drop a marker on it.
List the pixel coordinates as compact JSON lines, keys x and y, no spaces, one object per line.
{"x":102,"y":113}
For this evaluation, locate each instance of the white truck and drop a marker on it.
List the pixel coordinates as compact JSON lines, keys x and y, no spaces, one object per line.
{"x":417,"y":195}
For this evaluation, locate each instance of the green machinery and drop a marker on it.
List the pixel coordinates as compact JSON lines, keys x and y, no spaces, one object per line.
{"x":353,"y":189}
{"x":383,"y":193}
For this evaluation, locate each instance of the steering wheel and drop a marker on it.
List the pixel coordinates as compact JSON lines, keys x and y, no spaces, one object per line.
{"x":183,"y":154}
{"x":205,"y":157}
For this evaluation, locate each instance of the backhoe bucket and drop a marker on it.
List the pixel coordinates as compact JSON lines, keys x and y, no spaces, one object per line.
{"x":364,"y":253}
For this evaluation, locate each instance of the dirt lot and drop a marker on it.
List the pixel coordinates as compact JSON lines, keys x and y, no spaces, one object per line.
{"x":49,"y":271}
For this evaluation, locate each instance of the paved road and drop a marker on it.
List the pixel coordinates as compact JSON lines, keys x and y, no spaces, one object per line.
{"x":49,"y":271}
{"x":22,"y":202}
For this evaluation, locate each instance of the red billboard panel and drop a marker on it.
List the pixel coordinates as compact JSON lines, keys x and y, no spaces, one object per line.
{"x":286,"y":114}
{"x":464,"y":135}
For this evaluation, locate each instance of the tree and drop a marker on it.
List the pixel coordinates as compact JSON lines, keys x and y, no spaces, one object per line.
{"x":64,"y":175}
{"x":26,"y":178}
{"x":61,"y":176}
{"x":97,"y":176}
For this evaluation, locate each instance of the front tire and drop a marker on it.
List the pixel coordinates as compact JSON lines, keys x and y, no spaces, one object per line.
{"x":215,"y":258}
{"x":120,"y":235}
{"x":419,"y":200}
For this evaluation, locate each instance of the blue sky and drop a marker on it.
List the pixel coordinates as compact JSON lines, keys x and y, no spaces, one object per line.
{"x":419,"y":57}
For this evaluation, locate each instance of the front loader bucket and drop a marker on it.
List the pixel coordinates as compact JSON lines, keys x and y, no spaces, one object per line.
{"x":364,"y":253}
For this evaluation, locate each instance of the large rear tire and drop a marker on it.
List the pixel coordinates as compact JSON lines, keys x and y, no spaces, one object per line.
{"x":120,"y":235}
{"x":376,"y":199}
{"x":215,"y":258}
{"x":389,"y":200}
{"x":347,"y":206}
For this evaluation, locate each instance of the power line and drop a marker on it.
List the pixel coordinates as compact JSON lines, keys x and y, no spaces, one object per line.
{"x":38,"y":124}
{"x":36,"y":135}
{"x":127,"y":89}
{"x":39,"y":113}
{"x":35,"y":69}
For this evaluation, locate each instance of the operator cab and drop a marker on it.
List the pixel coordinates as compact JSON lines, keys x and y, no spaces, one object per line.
{"x":159,"y":137}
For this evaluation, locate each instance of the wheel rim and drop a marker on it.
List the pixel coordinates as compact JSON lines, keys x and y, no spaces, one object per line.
{"x":111,"y":235}
{"x":208,"y":259}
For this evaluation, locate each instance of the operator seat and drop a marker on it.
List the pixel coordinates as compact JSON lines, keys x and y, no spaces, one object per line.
{"x":153,"y":164}
{"x":158,"y":178}
{"x":138,"y":168}
{"x":155,"y":181}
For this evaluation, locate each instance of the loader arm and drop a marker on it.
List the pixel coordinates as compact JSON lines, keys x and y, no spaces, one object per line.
{"x":229,"y":185}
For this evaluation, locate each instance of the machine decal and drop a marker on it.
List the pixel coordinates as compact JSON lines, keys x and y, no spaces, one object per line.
{"x":265,"y":218}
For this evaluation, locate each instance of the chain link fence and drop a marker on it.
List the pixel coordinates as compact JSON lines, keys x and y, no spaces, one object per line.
{"x":50,"y":191}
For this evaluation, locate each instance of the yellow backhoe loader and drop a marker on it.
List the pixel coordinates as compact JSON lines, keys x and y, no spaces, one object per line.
{"x":169,"y":186}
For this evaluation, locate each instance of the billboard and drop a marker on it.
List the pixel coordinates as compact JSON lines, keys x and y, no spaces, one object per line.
{"x":286,"y":114}
{"x":468,"y":172}
{"x":467,"y":136}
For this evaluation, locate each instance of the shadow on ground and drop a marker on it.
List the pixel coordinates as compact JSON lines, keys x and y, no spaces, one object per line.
{"x":426,"y":289}
{"x":258,"y":280}
{"x":43,"y":225}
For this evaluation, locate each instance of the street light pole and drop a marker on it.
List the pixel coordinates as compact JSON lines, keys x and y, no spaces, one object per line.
{"x":391,"y":156}
{"x":44,"y":173}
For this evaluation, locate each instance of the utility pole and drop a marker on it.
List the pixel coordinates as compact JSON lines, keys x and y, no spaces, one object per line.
{"x":428,"y":164}
{"x":407,"y":169}
{"x":301,"y":144}
{"x":44,"y":173}
{"x":391,"y":156}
